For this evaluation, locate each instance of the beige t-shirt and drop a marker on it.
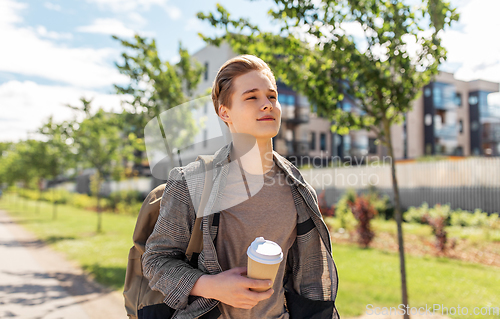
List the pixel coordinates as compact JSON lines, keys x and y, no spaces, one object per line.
{"x":269,"y":213}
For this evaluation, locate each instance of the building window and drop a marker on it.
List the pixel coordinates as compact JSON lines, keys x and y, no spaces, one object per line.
{"x":438,"y":96}
{"x":347,"y":145}
{"x":428,"y":119}
{"x":286,"y":99}
{"x":322,"y":141}
{"x":205,"y":138}
{"x":473,"y":100}
{"x":205,"y":76}
{"x":458,"y":99}
{"x":372,"y":147}
{"x":460,"y":126}
{"x":312,"y":144}
{"x":427,"y":91}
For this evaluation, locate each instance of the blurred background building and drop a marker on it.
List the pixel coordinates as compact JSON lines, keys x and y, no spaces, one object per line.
{"x":451,"y":117}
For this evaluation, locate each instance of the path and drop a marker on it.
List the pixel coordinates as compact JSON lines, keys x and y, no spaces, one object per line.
{"x":37,"y":282}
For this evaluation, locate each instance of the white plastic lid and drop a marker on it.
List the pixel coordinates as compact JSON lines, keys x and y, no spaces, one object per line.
{"x":265,"y":251}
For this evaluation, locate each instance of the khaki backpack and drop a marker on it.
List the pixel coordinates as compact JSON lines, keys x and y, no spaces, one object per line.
{"x":136,"y":291}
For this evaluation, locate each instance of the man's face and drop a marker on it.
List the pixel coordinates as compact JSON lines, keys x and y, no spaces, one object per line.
{"x":255,"y":109}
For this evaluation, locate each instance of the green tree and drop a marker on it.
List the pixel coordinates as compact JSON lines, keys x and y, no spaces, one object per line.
{"x":5,"y":148}
{"x":156,"y":86}
{"x":60,"y":151}
{"x":100,"y":144}
{"x":382,"y":71}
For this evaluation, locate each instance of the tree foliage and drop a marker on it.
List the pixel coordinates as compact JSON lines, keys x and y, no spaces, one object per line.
{"x":394,"y":53}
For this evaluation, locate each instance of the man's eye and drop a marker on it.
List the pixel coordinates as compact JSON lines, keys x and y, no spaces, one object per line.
{"x":251,"y":98}
{"x":272,"y":97}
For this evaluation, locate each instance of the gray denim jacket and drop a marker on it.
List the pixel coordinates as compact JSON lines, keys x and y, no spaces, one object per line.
{"x":311,"y":272}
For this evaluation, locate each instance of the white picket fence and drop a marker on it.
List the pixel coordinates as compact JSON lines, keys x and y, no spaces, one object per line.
{"x":466,"y":183}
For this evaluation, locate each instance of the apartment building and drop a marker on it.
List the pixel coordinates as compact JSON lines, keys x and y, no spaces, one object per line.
{"x":451,"y":117}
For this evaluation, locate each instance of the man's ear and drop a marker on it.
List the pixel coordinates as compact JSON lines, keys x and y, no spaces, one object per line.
{"x":224,"y":114}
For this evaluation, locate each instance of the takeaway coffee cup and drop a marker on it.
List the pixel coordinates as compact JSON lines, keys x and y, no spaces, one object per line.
{"x":264,"y":258}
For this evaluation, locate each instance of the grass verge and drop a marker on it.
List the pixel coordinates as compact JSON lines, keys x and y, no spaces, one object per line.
{"x":366,"y":276}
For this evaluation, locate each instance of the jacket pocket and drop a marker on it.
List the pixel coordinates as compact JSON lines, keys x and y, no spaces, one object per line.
{"x":301,"y":307}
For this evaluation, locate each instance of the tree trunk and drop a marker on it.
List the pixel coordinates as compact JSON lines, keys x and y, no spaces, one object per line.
{"x":25,"y":207}
{"x":54,"y":204}
{"x":38,"y":201}
{"x":99,"y":213}
{"x":399,"y":219}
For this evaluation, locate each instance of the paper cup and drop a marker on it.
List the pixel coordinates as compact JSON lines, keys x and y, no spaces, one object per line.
{"x":264,"y":258}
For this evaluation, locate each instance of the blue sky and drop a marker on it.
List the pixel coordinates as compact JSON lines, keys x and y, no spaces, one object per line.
{"x":53,"y":52}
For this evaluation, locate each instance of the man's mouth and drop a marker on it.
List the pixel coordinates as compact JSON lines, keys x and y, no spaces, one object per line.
{"x":266,"y":118}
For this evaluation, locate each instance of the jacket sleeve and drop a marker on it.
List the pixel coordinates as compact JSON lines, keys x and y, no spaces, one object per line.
{"x":164,"y":261}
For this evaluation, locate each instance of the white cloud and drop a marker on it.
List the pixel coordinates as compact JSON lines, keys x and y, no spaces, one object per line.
{"x":134,"y":5}
{"x":474,"y":47}
{"x":52,"y":6}
{"x":43,"y":32}
{"x":8,"y":10}
{"x":31,"y":52}
{"x":26,"y":105}
{"x":108,"y":26}
{"x":194,"y":24}
{"x":137,"y":19}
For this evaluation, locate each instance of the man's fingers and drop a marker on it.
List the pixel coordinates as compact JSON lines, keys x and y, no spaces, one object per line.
{"x":266,"y":294}
{"x":238,"y":270}
{"x":258,"y":296}
{"x":258,"y":283}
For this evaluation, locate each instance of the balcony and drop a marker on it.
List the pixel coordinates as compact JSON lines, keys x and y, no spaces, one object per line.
{"x":449,"y":131}
{"x":295,"y":115}
{"x":491,"y":132}
{"x":297,"y":148}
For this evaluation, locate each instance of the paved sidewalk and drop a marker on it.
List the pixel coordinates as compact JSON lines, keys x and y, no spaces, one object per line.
{"x":37,"y":282}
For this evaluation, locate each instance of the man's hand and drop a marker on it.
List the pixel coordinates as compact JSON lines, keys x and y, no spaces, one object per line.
{"x":232,"y":288}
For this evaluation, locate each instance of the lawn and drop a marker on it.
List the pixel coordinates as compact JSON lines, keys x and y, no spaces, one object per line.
{"x":366,"y":276}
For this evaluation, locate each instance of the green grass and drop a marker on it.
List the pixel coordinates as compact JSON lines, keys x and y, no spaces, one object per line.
{"x":103,"y":255}
{"x":366,"y":276}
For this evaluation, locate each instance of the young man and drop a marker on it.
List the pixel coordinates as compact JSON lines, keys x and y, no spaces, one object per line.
{"x":284,"y":210}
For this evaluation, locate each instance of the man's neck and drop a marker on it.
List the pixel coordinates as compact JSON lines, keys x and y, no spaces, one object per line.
{"x":256,"y":158}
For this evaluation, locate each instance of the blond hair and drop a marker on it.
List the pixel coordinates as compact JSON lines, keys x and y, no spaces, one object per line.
{"x":223,"y":86}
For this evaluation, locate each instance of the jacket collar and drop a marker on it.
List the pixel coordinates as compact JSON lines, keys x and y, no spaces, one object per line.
{"x":221,"y":157}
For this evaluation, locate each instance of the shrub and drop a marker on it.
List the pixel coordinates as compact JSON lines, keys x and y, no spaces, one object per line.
{"x":364,"y":212}
{"x":343,"y":210}
{"x":323,"y":206}
{"x":457,"y":217}
{"x":437,"y":224}
{"x":416,"y":214}
{"x":125,"y":201}
{"x":381,"y":203}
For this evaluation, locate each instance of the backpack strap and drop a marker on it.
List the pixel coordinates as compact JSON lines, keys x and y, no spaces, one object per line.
{"x":195,"y":245}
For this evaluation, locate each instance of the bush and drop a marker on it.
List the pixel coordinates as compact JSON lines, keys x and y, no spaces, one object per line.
{"x":343,"y":210}
{"x":381,"y":203}
{"x":130,"y":209}
{"x":437,"y":224}
{"x":83,"y":201}
{"x":125,"y":197}
{"x":416,"y":214}
{"x":364,"y":212}
{"x":323,"y":206}
{"x":457,"y":217}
